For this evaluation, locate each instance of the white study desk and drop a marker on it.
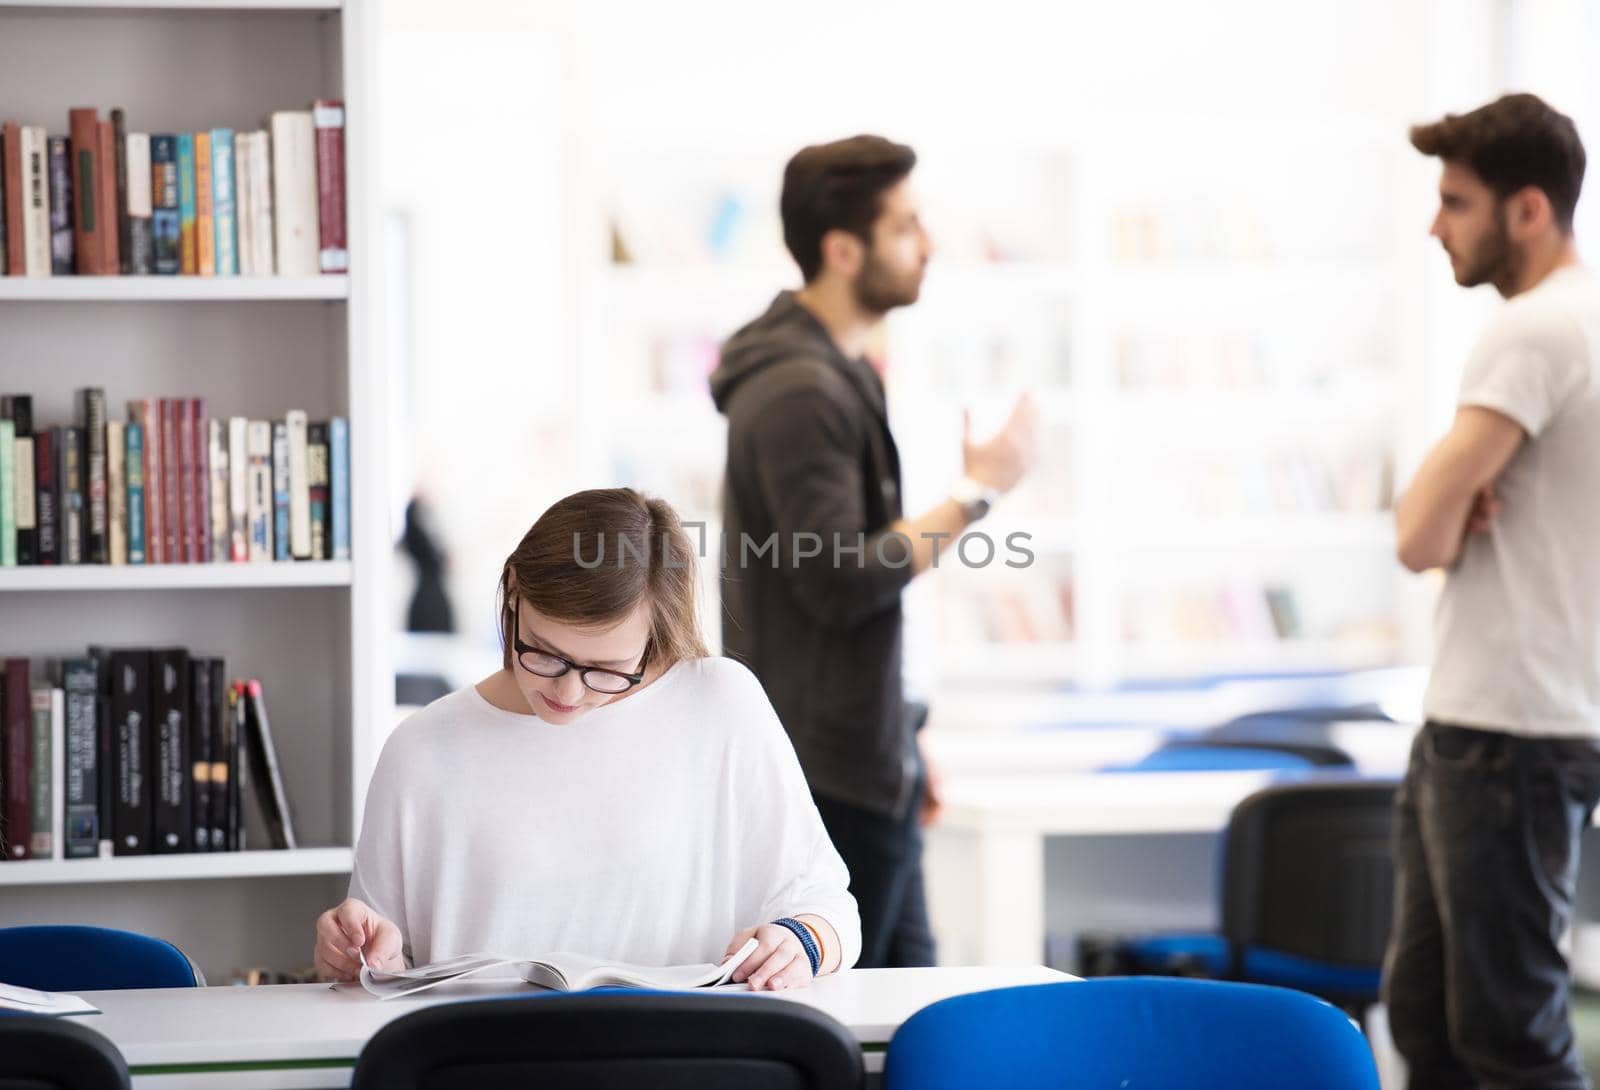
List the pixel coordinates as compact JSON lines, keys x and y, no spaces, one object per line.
{"x":307,"y":1036}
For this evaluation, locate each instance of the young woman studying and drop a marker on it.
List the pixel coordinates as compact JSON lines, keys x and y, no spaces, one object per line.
{"x":611,"y":790}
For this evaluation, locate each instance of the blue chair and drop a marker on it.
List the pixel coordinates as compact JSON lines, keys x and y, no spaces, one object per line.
{"x":66,"y":958}
{"x":55,"y":1054}
{"x":1135,"y":1033}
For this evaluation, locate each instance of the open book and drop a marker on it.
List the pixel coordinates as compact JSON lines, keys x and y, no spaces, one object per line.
{"x":561,"y":972}
{"x":16,"y":998}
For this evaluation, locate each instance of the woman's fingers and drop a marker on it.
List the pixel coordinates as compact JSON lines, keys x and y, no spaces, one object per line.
{"x":780,"y":972}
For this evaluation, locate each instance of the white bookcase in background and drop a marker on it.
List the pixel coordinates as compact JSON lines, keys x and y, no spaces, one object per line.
{"x":1194,"y":339}
{"x":316,"y":634}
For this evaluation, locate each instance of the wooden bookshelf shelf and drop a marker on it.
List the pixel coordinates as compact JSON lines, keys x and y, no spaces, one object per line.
{"x":167,"y":868}
{"x":321,"y":573}
{"x":155,"y":289}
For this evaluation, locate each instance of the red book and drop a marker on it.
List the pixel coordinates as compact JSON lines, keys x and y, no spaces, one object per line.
{"x":18,"y":724}
{"x":333,"y":241}
{"x":87,"y":226}
{"x":11,"y":164}
{"x":187,"y":489}
{"x":202,"y":478}
{"x":148,"y":413}
{"x":172,"y":504}
{"x":106,"y":201}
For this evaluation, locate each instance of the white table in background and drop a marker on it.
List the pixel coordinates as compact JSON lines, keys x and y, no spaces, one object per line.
{"x":307,"y":1036}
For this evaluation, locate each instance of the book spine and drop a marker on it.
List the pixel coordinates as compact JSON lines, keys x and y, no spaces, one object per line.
{"x":202,"y":479}
{"x":339,"y":497}
{"x":134,"y":466}
{"x":25,"y":469}
{"x":205,"y":220}
{"x":280,"y":491}
{"x":221,"y":754}
{"x":116,"y":492}
{"x":188,"y":486}
{"x":41,"y":846}
{"x":36,"y":212}
{"x":8,"y":491}
{"x":106,"y":202}
{"x":48,"y":501}
{"x":119,"y":134}
{"x":62,"y":251}
{"x":294,"y":187}
{"x":200,"y":708}
{"x":238,"y":489}
{"x":317,"y":488}
{"x":217,"y":445}
{"x":105,"y":743}
{"x":58,"y":773}
{"x":260,"y":443}
{"x":164,"y":214}
{"x":82,"y":682}
{"x":87,"y":227}
{"x":148,"y":412}
{"x":299,"y":488}
{"x":328,"y":119}
{"x":5,"y":256}
{"x":11,"y":167}
{"x":141,"y":260}
{"x":94,"y":421}
{"x":72,"y":502}
{"x":222,"y":201}
{"x":188,"y":241}
{"x":171,"y":483}
{"x":169,"y":670}
{"x":130,"y":717}
{"x":238,"y":766}
{"x":264,"y":767}
{"x":244,"y":203}
{"x":18,"y":739}
{"x":261,"y":171}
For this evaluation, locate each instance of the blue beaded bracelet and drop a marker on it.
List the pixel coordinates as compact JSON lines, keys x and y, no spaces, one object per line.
{"x":803,"y":933}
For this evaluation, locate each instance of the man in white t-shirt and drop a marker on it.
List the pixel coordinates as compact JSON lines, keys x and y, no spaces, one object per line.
{"x":1506,"y":771}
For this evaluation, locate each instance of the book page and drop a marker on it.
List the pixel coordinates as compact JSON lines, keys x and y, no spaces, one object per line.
{"x":585,"y":972}
{"x":16,"y":998}
{"x":389,"y":984}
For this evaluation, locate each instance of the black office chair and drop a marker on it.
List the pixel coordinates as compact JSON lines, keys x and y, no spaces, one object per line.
{"x":613,"y":1041}
{"x":1307,"y":895}
{"x":38,"y":1053}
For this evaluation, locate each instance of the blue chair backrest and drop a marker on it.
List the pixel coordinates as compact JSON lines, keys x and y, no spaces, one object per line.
{"x":1202,"y":757}
{"x":66,"y":958}
{"x":1129,"y":1033}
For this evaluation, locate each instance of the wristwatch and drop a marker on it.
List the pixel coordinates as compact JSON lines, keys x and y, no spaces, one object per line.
{"x":974,"y":497}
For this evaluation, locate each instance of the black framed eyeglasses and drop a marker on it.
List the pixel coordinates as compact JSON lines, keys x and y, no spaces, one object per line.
{"x":596,"y":679}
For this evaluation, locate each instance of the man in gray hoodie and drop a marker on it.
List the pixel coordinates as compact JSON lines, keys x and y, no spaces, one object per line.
{"x":816,"y":548}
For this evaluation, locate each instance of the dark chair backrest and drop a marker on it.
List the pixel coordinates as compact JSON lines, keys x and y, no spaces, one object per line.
{"x":613,"y":1041}
{"x":1307,"y":871}
{"x":39,"y":1053}
{"x":1134,"y":1032}
{"x":70,"y":958}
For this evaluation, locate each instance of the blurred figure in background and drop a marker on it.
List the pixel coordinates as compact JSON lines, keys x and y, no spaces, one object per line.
{"x":816,"y":548}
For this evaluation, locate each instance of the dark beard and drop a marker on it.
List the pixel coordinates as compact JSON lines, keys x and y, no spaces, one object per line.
{"x":1495,"y":261}
{"x":877,"y":293}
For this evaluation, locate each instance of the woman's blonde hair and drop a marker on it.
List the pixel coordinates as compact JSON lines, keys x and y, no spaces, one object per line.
{"x":593,"y":557}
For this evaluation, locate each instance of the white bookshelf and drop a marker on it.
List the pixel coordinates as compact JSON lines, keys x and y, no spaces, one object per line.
{"x":318,"y":638}
{"x":187,"y":289}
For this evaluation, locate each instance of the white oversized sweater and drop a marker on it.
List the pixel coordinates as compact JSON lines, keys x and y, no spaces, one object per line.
{"x":649,"y":830}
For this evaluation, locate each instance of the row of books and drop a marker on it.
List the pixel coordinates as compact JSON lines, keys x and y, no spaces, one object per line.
{"x":1252,"y":482}
{"x":1204,"y":360}
{"x":170,"y":486}
{"x":1037,"y":611}
{"x":133,"y":752}
{"x":1234,"y":611}
{"x":102,"y":201}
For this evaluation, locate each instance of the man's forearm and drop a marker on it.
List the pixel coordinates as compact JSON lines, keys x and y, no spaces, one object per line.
{"x":932,"y":534}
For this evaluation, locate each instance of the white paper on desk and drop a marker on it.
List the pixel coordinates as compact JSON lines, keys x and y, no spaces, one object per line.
{"x":560,"y":972}
{"x":16,"y":998}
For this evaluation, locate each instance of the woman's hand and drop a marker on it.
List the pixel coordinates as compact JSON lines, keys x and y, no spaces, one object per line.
{"x":350,"y":932}
{"x":777,"y":962}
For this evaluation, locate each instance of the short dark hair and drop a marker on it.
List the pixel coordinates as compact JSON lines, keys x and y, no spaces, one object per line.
{"x":1515,"y":141}
{"x":837,"y":186}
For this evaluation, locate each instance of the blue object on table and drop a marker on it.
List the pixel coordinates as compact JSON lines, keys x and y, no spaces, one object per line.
{"x":39,"y":1053}
{"x":1130,"y":1032}
{"x":1307,"y":893}
{"x":1207,"y":757}
{"x":68,"y":958}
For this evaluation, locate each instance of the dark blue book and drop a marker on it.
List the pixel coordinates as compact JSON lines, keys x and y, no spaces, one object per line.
{"x":164,"y":198}
{"x":63,"y":252}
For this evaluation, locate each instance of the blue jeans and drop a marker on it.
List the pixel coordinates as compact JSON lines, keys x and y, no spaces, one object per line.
{"x":1486,"y":863}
